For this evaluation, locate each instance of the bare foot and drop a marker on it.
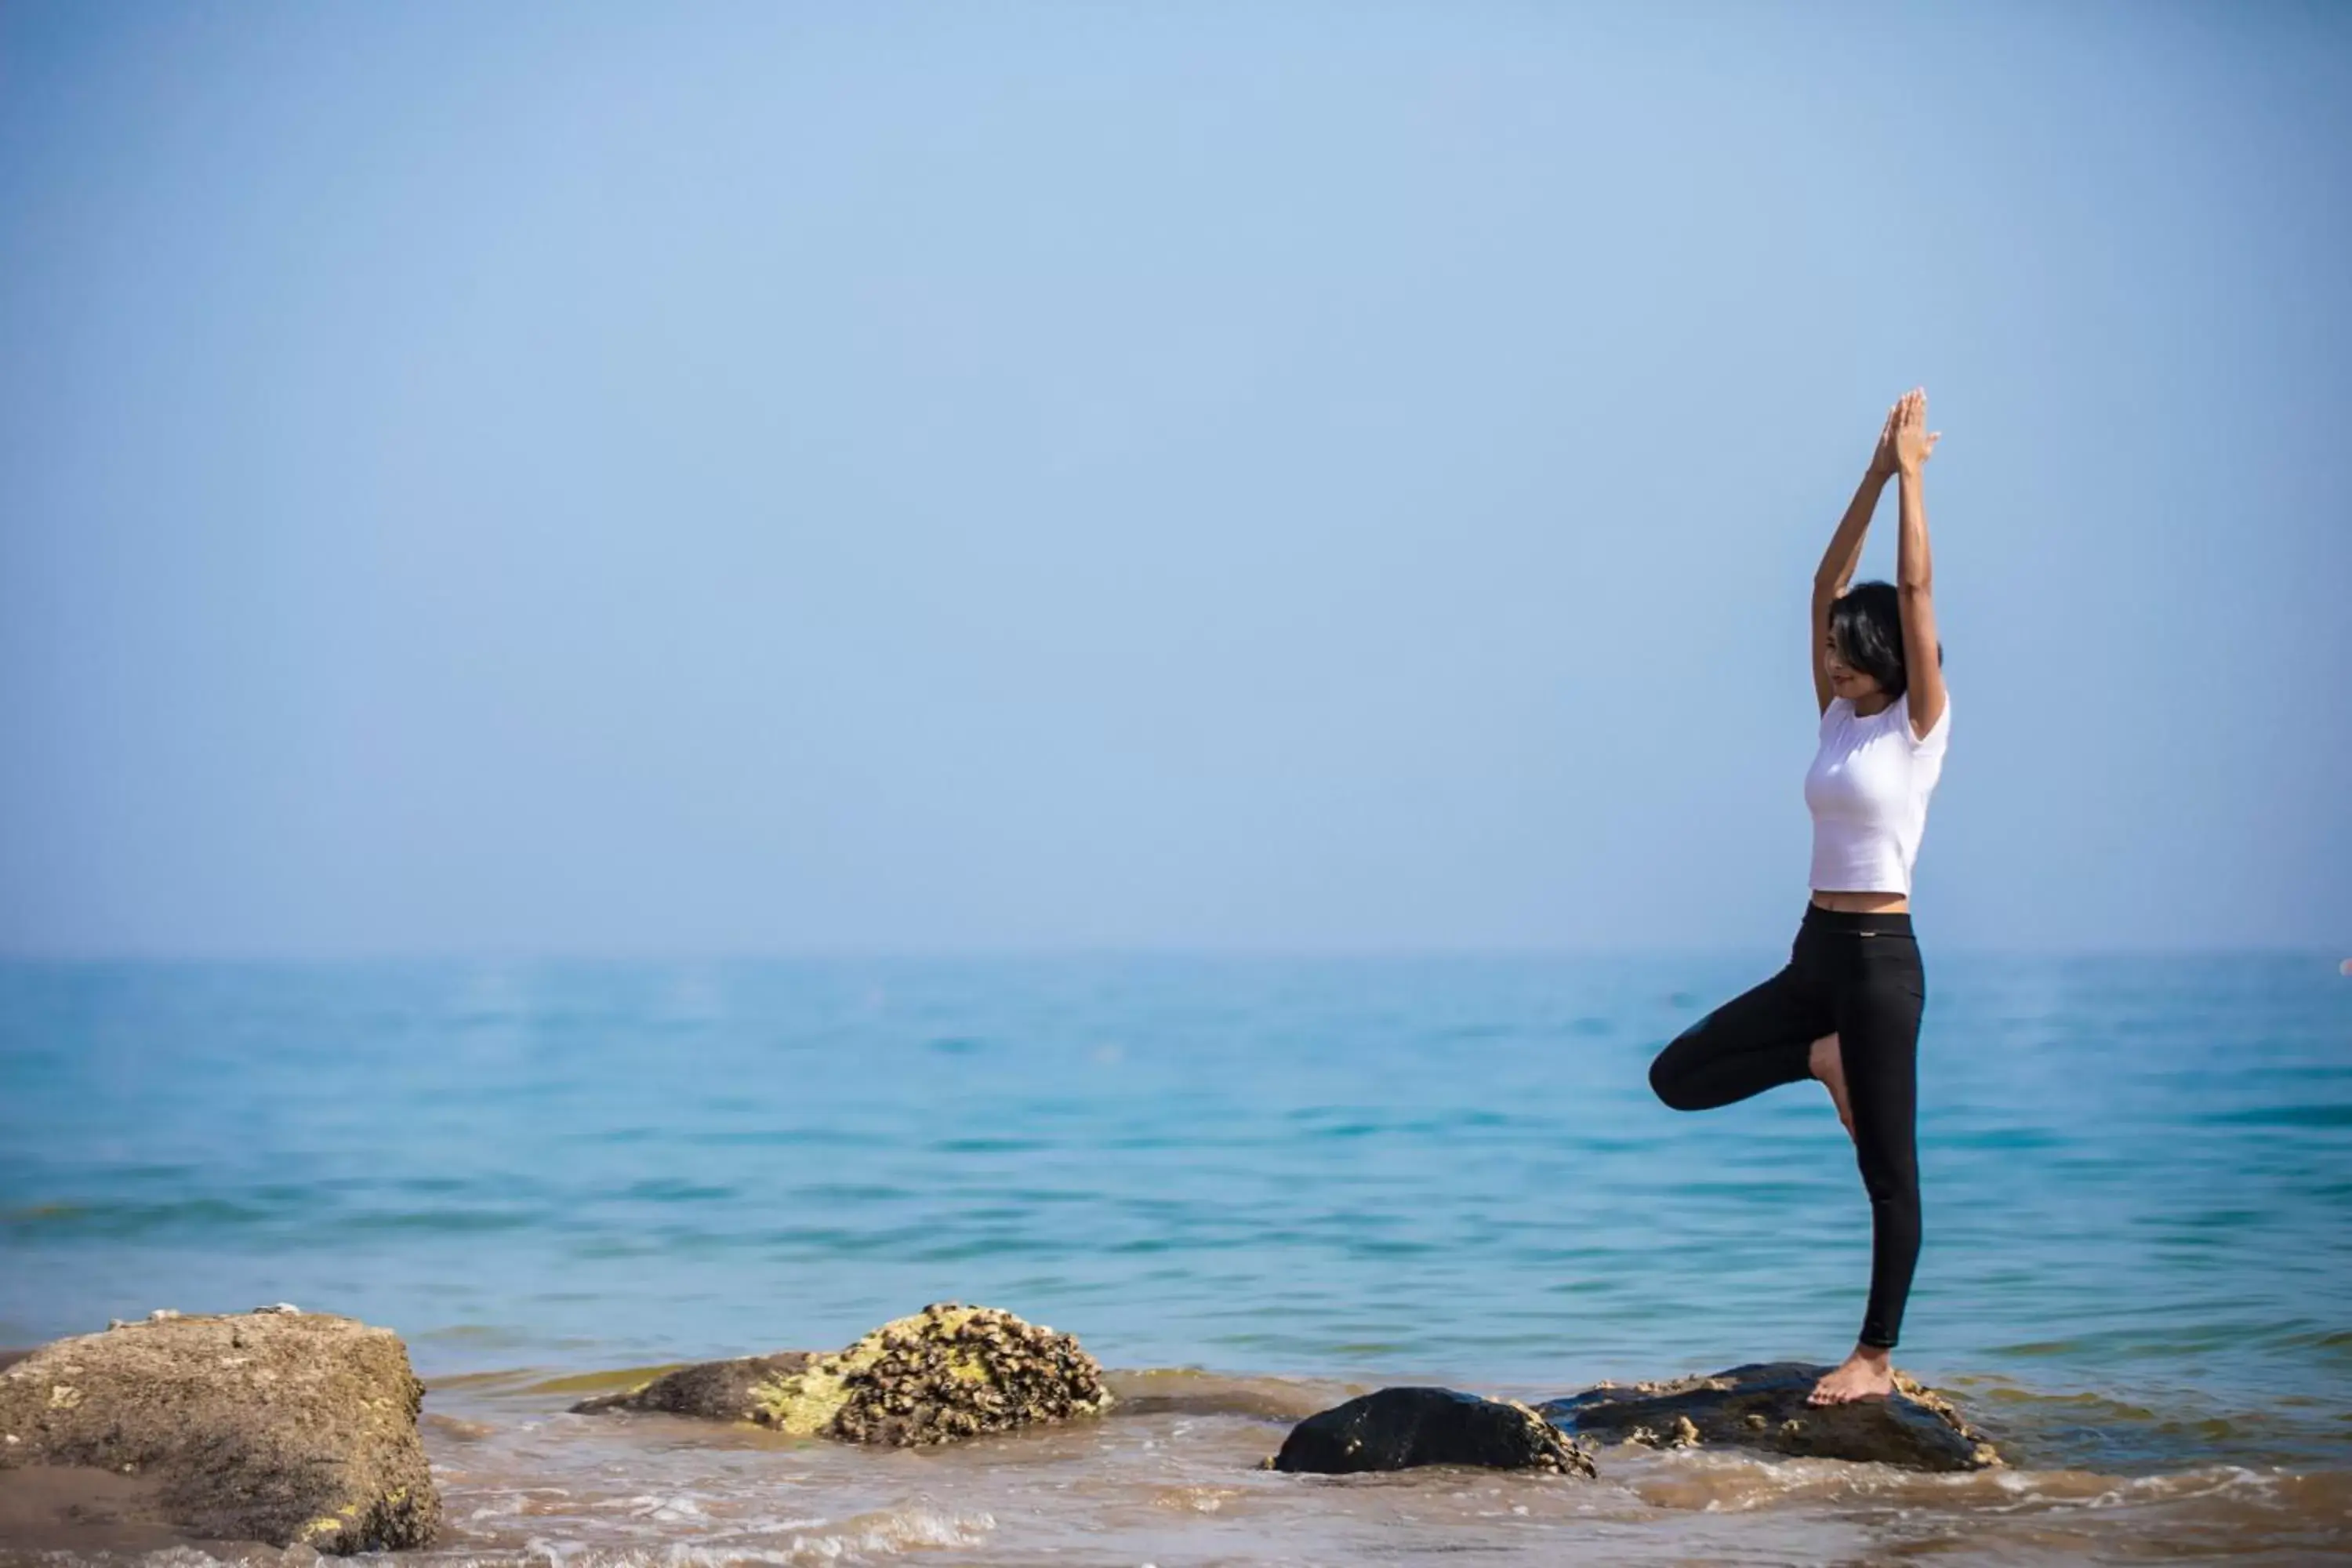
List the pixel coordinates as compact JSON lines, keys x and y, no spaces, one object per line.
{"x":1867,"y":1373}
{"x":1827,"y":1062}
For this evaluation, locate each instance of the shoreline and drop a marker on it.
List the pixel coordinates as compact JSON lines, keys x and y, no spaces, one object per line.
{"x":1170,"y":1476}
{"x":1175,"y":1469}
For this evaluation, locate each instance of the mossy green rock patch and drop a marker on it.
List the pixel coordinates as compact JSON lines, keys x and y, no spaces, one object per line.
{"x":946,"y":1373}
{"x":280,"y":1427}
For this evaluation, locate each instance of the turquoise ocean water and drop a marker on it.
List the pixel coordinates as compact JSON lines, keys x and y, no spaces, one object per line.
{"x":2137,"y":1171}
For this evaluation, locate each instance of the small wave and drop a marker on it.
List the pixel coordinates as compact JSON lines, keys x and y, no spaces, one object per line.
{"x":2338,"y":1115}
{"x":860,"y":1538}
{"x":670,"y":1190}
{"x":542,"y":1383}
{"x":120,"y":1221}
{"x":1188,"y":1391}
{"x":599,"y":1381}
{"x":660,"y":1510}
{"x":779,"y":1136}
{"x":1721,"y":1482}
{"x":956,"y":1045}
{"x":478,"y":1335}
{"x":444,"y":1221}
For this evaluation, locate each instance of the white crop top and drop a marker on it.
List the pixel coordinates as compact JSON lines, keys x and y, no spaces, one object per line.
{"x":1868,"y":790}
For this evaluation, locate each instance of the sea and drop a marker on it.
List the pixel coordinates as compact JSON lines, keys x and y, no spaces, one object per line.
{"x":1253,"y":1187}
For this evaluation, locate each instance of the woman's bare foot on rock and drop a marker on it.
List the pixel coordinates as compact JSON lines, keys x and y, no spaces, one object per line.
{"x":1867,"y":1374}
{"x":1827,"y":1062}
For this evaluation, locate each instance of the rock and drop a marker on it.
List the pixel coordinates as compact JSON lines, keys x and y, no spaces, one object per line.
{"x":714,"y":1390}
{"x":298,"y":1430}
{"x":1398,"y":1429}
{"x":1763,"y":1406}
{"x":946,"y":1372}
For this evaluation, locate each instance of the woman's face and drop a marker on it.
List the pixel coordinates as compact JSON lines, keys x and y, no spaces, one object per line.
{"x":1844,"y":679}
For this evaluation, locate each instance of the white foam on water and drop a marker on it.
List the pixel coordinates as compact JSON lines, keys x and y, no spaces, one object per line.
{"x":897,"y":1531}
{"x":662,"y":1509}
{"x":1732,"y":1482}
{"x":2230,"y":1481}
{"x":859,"y":1538}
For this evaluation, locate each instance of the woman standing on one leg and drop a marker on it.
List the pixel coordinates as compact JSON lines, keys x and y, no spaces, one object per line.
{"x":1846,"y":1009}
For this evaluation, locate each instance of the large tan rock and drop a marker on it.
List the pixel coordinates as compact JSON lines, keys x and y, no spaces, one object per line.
{"x":276,"y":1427}
{"x":948,"y":1371}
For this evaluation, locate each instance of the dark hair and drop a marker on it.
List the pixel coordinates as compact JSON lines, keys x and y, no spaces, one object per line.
{"x":1866,"y":628}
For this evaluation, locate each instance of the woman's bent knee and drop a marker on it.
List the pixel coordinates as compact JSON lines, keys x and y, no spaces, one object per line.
{"x":1670,"y":1086}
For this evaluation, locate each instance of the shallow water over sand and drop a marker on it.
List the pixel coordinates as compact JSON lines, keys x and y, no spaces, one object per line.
{"x":1171,"y":1479}
{"x":1314,"y":1177}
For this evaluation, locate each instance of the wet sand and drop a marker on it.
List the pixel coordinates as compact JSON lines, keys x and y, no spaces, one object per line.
{"x":78,"y":1509}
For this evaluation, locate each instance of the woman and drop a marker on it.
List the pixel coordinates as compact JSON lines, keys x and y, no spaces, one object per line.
{"x":1846,"y":1009}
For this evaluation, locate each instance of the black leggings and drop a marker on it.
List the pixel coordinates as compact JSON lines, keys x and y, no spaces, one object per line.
{"x":1857,"y":977}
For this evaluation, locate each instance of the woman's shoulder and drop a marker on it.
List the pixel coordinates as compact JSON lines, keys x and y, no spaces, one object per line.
{"x":1937,"y":733}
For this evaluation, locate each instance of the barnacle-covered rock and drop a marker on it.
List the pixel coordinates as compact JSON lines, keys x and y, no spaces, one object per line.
{"x":948,"y":1371}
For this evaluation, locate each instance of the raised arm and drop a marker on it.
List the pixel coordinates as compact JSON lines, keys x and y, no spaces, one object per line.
{"x":1915,"y":571}
{"x":1844,"y":554}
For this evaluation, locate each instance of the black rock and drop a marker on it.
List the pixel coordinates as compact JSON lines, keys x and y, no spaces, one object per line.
{"x":1398,"y":1429}
{"x":1763,"y":1406}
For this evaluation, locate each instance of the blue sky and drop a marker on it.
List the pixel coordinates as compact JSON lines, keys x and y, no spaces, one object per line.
{"x":738,"y":479}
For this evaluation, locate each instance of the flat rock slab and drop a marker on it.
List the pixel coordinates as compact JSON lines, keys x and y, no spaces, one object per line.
{"x":712,"y":1390}
{"x":282,"y":1428}
{"x":1762,"y":1407}
{"x":1400,"y":1428}
{"x":946,"y":1372}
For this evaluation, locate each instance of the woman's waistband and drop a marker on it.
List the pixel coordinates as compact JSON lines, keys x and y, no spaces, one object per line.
{"x":1854,"y":923}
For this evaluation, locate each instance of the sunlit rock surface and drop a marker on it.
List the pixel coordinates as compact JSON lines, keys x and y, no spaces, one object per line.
{"x":948,"y":1371}
{"x":277,"y":1427}
{"x":1762,"y":1407}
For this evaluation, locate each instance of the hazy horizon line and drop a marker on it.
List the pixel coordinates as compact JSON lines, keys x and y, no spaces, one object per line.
{"x":1071,"y":952}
